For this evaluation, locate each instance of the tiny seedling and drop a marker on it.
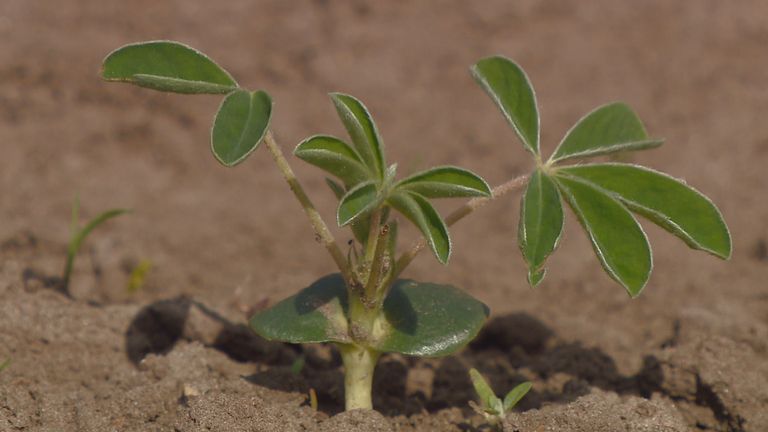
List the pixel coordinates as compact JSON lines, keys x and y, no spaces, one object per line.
{"x":4,"y":365}
{"x":78,"y":235}
{"x":366,"y":309}
{"x":138,"y":276}
{"x":491,"y":406}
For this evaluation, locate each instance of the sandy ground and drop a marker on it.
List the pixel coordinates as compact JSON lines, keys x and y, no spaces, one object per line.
{"x":690,"y":353}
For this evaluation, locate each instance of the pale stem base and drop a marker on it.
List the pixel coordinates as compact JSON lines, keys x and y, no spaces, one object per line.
{"x":359,"y":363}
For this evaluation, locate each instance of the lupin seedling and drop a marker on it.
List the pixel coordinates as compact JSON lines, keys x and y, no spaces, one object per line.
{"x":490,"y":406}
{"x":366,"y":308}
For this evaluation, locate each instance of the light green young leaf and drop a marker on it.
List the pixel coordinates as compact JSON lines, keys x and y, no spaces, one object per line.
{"x":240,"y":125}
{"x":483,"y":390}
{"x":508,"y":85}
{"x":361,"y":128}
{"x":608,"y":129}
{"x":515,"y":395}
{"x":445,"y":182}
{"x":334,"y":156}
{"x":618,"y":240}
{"x":665,"y":201}
{"x":5,"y":364}
{"x":358,"y":201}
{"x":419,"y":211}
{"x":541,"y":223}
{"x":167,"y":66}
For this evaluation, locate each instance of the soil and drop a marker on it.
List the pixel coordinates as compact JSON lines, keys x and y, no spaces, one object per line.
{"x":691,"y":353}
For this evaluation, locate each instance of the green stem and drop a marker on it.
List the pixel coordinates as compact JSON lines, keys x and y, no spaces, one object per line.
{"x":377,"y":265}
{"x":359,"y":364}
{"x":457,"y":215}
{"x":321,"y":229}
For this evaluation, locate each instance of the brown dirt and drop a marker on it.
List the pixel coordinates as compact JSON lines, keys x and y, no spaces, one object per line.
{"x":690,"y":354}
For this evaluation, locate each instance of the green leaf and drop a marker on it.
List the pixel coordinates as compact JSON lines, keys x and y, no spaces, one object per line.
{"x":541,"y":224}
{"x":5,"y":364}
{"x":315,"y":314}
{"x":419,"y":211}
{"x":167,"y":66}
{"x":240,"y":125}
{"x":337,"y":189}
{"x":334,"y":156}
{"x":358,"y":201}
{"x":618,"y":240}
{"x":94,"y":223}
{"x":446,"y":182}
{"x":360,"y":227}
{"x":483,"y":390}
{"x":665,"y":201}
{"x":608,"y":129}
{"x":515,"y":395}
{"x":425,"y":319}
{"x":361,"y":128}
{"x":508,"y":85}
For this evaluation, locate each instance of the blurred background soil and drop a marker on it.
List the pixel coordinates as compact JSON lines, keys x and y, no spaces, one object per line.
{"x":691,"y":353}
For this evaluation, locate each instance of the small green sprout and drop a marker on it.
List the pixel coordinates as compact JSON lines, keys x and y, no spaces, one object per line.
{"x":298,"y":365}
{"x":138,"y":276}
{"x":78,"y":235}
{"x":4,"y":365}
{"x":491,"y":406}
{"x":366,"y":308}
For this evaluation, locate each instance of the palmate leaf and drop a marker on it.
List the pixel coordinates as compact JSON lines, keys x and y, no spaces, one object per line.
{"x":361,"y":128}
{"x":335,"y":157}
{"x":240,"y":125}
{"x":509,"y":87}
{"x":445,"y":182}
{"x":666,"y":201}
{"x":541,"y":224}
{"x":618,"y":240}
{"x":419,"y":211}
{"x":167,"y":66}
{"x":608,"y":129}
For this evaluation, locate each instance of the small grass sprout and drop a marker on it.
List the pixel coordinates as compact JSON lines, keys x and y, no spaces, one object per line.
{"x":493,"y":408}
{"x":4,"y":365}
{"x":78,"y":236}
{"x":365,"y":308}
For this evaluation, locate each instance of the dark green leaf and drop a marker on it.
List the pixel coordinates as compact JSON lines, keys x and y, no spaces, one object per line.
{"x":419,"y":211}
{"x":361,"y":128}
{"x":619,"y":242}
{"x":514,"y":396}
{"x":167,"y":66}
{"x":446,"y":182}
{"x":358,"y":201}
{"x":334,"y":156}
{"x":483,"y":390}
{"x":337,"y":189}
{"x":541,"y":223}
{"x":315,"y":314}
{"x":425,"y":319}
{"x":240,"y":125}
{"x":608,"y":129}
{"x":664,"y":200}
{"x":508,"y":85}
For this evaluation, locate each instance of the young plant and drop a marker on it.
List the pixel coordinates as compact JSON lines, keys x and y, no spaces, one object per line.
{"x":78,"y":235}
{"x":366,"y":309}
{"x":5,"y":364}
{"x":491,"y":406}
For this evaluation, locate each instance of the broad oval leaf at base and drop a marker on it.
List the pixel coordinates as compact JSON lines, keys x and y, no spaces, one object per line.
{"x":316,"y":314}
{"x":425,"y":319}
